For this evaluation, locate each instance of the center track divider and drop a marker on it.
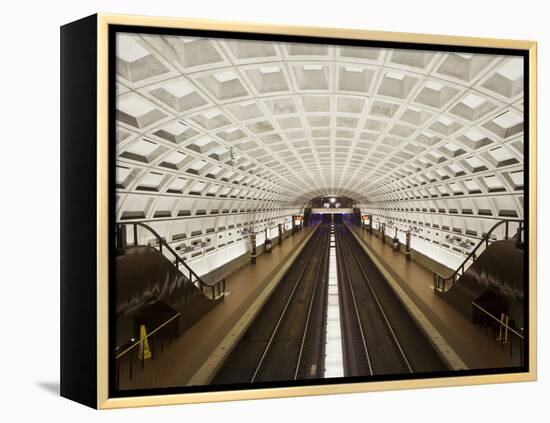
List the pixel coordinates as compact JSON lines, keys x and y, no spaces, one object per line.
{"x":436,"y":339}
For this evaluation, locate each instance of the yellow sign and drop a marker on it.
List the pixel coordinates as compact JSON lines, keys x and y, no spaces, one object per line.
{"x":144,"y":353}
{"x":503,"y":331}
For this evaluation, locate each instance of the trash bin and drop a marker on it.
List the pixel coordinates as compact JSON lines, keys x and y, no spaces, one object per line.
{"x":395,"y":244}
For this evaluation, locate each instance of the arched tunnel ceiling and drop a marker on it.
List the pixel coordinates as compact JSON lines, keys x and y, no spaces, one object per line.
{"x":356,"y":196}
{"x":276,"y":124}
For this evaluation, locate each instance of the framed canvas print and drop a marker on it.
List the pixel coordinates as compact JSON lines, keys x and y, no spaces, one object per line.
{"x":256,"y":211}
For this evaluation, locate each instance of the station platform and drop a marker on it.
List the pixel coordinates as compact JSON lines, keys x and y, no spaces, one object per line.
{"x":461,"y":340}
{"x":194,"y":357}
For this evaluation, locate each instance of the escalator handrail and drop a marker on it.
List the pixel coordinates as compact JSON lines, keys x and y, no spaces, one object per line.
{"x":438,"y":277}
{"x":179,"y":260}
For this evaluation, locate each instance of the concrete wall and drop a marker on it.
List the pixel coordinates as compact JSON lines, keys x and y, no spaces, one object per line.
{"x":422,"y":259}
{"x":235,"y":264}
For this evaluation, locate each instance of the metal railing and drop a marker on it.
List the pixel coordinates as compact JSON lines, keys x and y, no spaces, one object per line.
{"x":135,"y":355}
{"x":213,"y":291}
{"x":506,"y":333}
{"x":442,"y":283}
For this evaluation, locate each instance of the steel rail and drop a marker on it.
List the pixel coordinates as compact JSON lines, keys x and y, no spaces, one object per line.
{"x":281,"y":317}
{"x":359,"y":321}
{"x":380,"y":308}
{"x":310,"y":308}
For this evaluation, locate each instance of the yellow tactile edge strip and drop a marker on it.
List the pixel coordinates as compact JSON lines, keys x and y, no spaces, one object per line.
{"x":441,"y":346}
{"x":206,"y":372}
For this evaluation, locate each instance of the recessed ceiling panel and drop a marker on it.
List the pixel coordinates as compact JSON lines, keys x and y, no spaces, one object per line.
{"x":281,"y":123}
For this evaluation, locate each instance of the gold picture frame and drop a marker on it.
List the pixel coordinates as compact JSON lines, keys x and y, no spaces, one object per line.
{"x":95,"y":34}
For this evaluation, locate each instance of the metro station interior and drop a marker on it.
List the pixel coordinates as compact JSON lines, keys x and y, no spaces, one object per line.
{"x":294,"y":211}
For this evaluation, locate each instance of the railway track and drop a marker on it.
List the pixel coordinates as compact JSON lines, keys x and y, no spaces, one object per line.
{"x":377,"y":350}
{"x":285,"y":341}
{"x":379,"y":336}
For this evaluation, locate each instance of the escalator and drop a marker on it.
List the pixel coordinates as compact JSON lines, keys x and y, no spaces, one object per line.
{"x":151,"y":289}
{"x":494,"y":281}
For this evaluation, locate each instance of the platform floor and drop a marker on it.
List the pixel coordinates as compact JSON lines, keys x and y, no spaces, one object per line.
{"x":179,"y":361}
{"x":477,"y":349}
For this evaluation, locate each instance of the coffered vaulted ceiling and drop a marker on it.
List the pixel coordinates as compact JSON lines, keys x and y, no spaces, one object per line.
{"x":202,"y":121}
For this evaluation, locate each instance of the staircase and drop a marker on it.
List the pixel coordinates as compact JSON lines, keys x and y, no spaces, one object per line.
{"x":153,"y":284}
